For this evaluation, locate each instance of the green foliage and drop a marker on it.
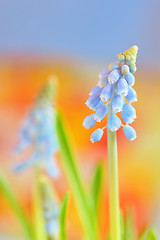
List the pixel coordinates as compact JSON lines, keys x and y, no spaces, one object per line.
{"x":149,"y":234}
{"x":71,"y":169}
{"x":7,"y":192}
{"x":63,"y":219}
{"x":97,"y":186}
{"x":130,"y":232}
{"x":39,"y":222}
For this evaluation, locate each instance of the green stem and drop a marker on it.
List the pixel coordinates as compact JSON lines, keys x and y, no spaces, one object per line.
{"x":113,"y":183}
{"x":39,"y":222}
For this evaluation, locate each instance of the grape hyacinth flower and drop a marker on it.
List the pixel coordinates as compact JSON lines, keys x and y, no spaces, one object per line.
{"x":115,"y":88}
{"x":116,"y":95}
{"x":50,"y":209}
{"x":38,"y":133}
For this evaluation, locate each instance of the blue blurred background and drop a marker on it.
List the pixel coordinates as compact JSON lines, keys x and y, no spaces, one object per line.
{"x":94,"y":30}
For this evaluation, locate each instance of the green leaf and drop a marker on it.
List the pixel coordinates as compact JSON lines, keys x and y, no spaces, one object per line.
{"x":73,"y":175}
{"x":151,"y":235}
{"x":97,"y":186}
{"x":148,"y":234}
{"x":63,"y":219}
{"x":7,"y":192}
{"x":130,"y":231}
{"x":39,"y":221}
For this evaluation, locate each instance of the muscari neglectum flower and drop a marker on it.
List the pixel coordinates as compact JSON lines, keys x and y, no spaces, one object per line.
{"x":51,"y":209}
{"x":115,"y":87}
{"x":38,"y":133}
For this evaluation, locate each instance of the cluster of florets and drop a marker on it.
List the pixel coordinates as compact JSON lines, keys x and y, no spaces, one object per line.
{"x":51,"y":212}
{"x":115,"y":88}
{"x":39,"y":134}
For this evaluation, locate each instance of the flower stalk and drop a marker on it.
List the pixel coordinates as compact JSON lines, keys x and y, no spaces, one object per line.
{"x":113,"y":182}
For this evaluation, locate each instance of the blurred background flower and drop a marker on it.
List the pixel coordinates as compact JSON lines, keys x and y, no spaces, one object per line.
{"x":74,"y":40}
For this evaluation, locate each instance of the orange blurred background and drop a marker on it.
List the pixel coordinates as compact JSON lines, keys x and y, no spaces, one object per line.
{"x":76,"y":61}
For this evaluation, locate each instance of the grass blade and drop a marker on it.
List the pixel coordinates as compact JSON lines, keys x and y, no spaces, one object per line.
{"x":97,"y":186}
{"x":7,"y":192}
{"x":74,"y":179}
{"x":63,"y":219}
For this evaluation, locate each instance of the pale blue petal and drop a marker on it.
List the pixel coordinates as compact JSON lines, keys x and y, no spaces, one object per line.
{"x":100,"y":113}
{"x":132,"y":95}
{"x":113,"y":76}
{"x":93,"y":100}
{"x":117,"y":103}
{"x":104,"y":72}
{"x":129,"y":132}
{"x":130,"y":79}
{"x":106,"y":92}
{"x":128,"y":113}
{"x":89,"y":121}
{"x":95,"y":89}
{"x":122,"y":87}
{"x":96,"y":135}
{"x":114,"y":123}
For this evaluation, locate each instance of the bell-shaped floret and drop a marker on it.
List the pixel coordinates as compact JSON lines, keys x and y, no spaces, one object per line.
{"x":93,"y":100}
{"x":128,"y":113}
{"x":89,"y":121}
{"x":129,"y":132}
{"x":122,"y":87}
{"x":117,"y":103}
{"x":96,"y":135}
{"x":114,"y":123}
{"x":95,"y":89}
{"x":130,"y":79}
{"x":132,"y":95}
{"x":100,"y":113}
{"x":106,"y":92}
{"x":113,"y":76}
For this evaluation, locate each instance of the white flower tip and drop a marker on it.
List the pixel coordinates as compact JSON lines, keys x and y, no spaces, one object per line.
{"x":91,"y":140}
{"x":96,"y":118}
{"x":102,"y":98}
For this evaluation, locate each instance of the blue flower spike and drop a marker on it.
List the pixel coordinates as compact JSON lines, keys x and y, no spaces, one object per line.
{"x":114,"y":88}
{"x":39,"y":132}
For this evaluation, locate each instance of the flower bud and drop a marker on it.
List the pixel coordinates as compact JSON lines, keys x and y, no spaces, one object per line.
{"x":122,"y":87}
{"x":114,"y":123}
{"x":117,"y":103}
{"x":93,"y":100}
{"x":125,"y":69}
{"x":89,"y":121}
{"x":100,"y":113}
{"x":106,"y":92}
{"x":132,"y":95}
{"x":129,"y":132}
{"x":130,"y":79}
{"x":128,"y":113}
{"x":95,"y":89}
{"x":96,"y":135}
{"x":113,"y":76}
